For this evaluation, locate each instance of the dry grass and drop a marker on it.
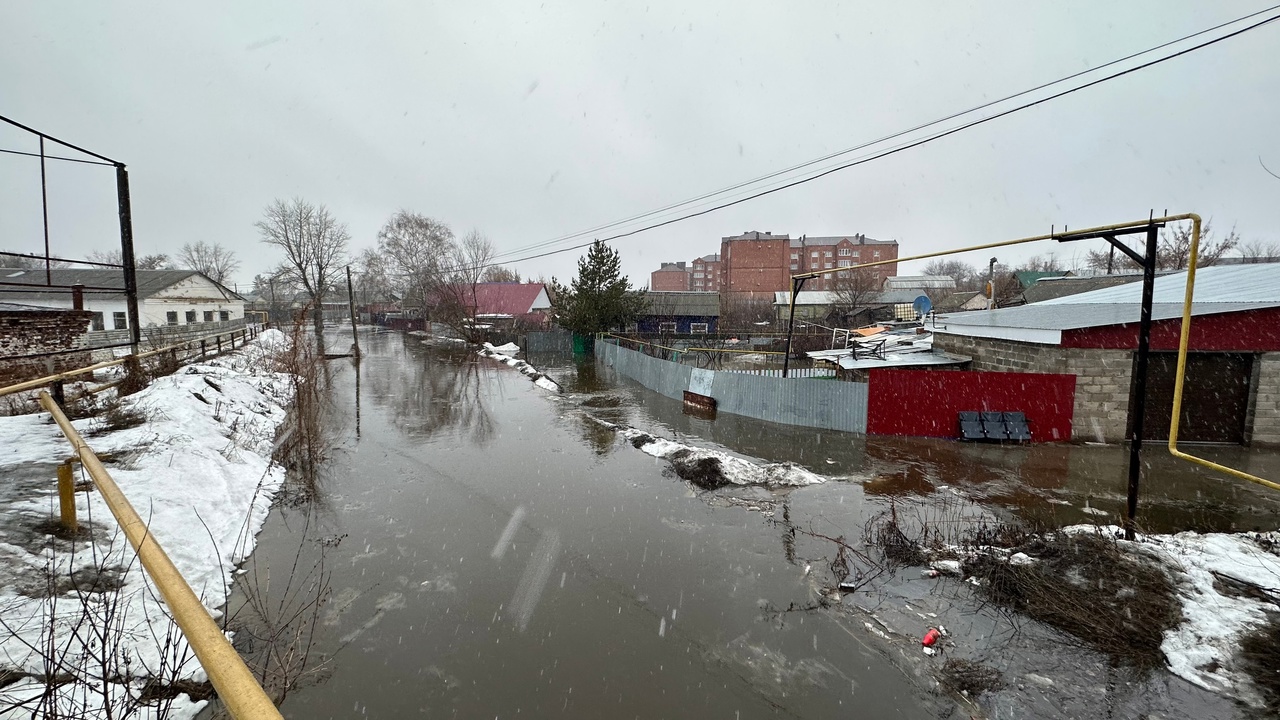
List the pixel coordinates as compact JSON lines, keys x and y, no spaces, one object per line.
{"x":1088,"y":588}
{"x":1260,"y":658}
{"x":969,"y":677}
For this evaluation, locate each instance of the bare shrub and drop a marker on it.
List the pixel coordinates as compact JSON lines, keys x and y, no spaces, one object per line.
{"x":969,"y":677}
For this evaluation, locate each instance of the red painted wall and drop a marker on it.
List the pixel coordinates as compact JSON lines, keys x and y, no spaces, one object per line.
{"x":1248,"y":331}
{"x":925,"y":402}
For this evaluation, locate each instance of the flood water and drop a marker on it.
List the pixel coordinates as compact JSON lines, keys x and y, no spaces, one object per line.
{"x":479,"y":547}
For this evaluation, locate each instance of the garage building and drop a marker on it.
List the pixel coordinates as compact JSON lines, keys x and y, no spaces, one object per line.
{"x":1232,"y":391}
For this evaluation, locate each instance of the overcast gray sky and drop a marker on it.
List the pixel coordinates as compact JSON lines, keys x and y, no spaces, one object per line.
{"x":531,"y":120}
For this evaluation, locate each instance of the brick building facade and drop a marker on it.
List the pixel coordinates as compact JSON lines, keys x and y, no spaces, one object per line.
{"x":29,"y":333}
{"x":1232,"y":389}
{"x":706,"y":274}
{"x":755,"y":265}
{"x":830,"y":253}
{"x":671,"y":277}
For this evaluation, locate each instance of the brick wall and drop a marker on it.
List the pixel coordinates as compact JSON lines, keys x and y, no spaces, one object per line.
{"x":1266,"y":403}
{"x":32,"y":333}
{"x":677,"y":280}
{"x":755,"y":269}
{"x":1102,"y":377}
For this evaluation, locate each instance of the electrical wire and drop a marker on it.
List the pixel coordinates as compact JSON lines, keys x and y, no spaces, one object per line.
{"x":891,"y":136}
{"x":895,"y":150}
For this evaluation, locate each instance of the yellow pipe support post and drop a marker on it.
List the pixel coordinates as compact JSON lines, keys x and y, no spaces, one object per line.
{"x":237,"y":688}
{"x":67,"y":498}
{"x":1179,"y":380}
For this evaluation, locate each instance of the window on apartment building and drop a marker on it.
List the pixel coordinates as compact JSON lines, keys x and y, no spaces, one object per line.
{"x":875,"y":254}
{"x":697,"y":275}
{"x":171,"y":317}
{"x":846,"y":263}
{"x":119,"y":321}
{"x":830,"y":265}
{"x":95,"y":322}
{"x":191,"y":316}
{"x":667,"y":327}
{"x":697,"y":327}
{"x":843,"y":273}
{"x":814,"y":254}
{"x":224,"y":315}
{"x":846,"y":251}
{"x":795,"y":266}
{"x":795,"y":256}
{"x":826,"y":253}
{"x":208,"y":316}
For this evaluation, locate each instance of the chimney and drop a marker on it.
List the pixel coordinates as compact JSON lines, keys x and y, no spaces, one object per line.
{"x":77,"y":296}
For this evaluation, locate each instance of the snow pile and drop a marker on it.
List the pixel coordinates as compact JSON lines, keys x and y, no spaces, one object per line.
{"x":714,"y":468}
{"x":198,"y":471}
{"x":1222,"y":580}
{"x":1201,"y":649}
{"x":499,"y":353}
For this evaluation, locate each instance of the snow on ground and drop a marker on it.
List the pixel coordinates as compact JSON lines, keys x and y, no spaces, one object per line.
{"x":503,"y":355}
{"x":1202,"y":648}
{"x":198,"y":470}
{"x":738,"y":471}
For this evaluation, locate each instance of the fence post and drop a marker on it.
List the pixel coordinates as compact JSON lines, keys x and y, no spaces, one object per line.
{"x":59,"y":393}
{"x":202,"y":349}
{"x":218,"y":339}
{"x":67,"y":497}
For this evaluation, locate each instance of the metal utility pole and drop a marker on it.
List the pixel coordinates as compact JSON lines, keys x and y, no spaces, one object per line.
{"x":351,"y":305}
{"x":796,"y":284}
{"x":991,"y":284}
{"x":1139,"y":404}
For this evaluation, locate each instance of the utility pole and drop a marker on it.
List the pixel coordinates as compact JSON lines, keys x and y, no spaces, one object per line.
{"x":351,"y":305}
{"x":991,"y":284}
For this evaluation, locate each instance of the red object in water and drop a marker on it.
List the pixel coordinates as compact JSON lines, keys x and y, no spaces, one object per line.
{"x":931,"y":638}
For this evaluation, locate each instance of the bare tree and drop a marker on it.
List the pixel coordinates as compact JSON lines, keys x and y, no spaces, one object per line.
{"x":500,"y":274}
{"x":215,"y":261}
{"x":373,"y":281}
{"x":966,"y":276}
{"x":158,"y":261}
{"x":28,"y":263}
{"x":1259,"y":251}
{"x":315,"y":249}
{"x":853,"y":289}
{"x":459,"y":303}
{"x":1173,"y":251}
{"x":416,"y":251}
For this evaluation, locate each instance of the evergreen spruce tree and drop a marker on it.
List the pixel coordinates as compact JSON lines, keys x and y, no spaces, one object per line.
{"x":600,"y":298}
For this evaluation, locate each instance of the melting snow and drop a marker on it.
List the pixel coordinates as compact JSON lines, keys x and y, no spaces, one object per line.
{"x":200,"y":474}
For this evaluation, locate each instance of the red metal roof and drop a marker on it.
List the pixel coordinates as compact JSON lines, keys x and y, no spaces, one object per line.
{"x":515,"y":299}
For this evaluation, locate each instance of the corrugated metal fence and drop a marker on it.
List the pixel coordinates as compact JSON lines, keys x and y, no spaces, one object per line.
{"x":828,"y":404}
{"x":550,"y":341}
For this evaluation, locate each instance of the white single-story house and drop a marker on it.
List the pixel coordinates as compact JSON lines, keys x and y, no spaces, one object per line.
{"x":165,"y":297}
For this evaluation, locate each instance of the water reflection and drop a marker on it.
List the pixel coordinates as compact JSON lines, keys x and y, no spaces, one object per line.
{"x":433,"y":392}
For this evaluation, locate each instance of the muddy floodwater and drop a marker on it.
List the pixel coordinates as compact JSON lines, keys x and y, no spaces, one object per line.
{"x":476,"y":546}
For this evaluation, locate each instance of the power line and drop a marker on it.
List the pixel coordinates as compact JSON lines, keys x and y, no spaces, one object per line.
{"x":63,"y":143}
{"x":900,"y":148}
{"x":891,"y":136}
{"x":56,"y":157}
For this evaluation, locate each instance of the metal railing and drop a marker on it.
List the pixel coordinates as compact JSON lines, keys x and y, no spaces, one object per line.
{"x":245,"y":334}
{"x":237,"y":688}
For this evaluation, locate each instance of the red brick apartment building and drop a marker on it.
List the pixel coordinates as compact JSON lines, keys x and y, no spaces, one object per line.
{"x":670,"y":277}
{"x":706,"y":274}
{"x":755,"y":265}
{"x":828,"y":253}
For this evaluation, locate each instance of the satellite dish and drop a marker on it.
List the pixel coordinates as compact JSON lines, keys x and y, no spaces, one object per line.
{"x":922,"y":305}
